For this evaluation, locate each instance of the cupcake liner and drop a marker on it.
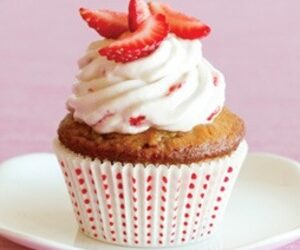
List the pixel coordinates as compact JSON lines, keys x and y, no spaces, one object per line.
{"x":149,"y":205}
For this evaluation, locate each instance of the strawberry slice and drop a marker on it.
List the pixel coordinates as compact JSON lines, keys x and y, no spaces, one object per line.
{"x":138,"y":13}
{"x":183,"y":26}
{"x":107,"y":23}
{"x":141,"y":43}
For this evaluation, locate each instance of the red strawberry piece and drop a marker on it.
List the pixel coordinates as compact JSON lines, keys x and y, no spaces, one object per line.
{"x":173,"y":88}
{"x":138,"y":13}
{"x":213,"y":114}
{"x":183,"y":26}
{"x":137,"y":121}
{"x":141,"y":43}
{"x":107,"y":23}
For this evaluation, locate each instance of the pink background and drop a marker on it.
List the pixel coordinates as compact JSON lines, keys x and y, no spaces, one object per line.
{"x":255,"y":43}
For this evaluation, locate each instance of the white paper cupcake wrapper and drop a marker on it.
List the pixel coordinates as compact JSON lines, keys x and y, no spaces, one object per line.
{"x":149,"y":205}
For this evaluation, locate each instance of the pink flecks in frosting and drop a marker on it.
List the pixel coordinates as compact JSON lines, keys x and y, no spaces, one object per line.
{"x":137,"y":121}
{"x":213,"y":114}
{"x":174,"y":88}
{"x":215,"y":79}
{"x":107,"y":115}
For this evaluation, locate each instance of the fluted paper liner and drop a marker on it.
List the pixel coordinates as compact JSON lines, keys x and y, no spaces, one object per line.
{"x":149,"y":205}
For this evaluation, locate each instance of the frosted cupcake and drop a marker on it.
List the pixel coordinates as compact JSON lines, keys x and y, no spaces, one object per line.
{"x":148,"y":150}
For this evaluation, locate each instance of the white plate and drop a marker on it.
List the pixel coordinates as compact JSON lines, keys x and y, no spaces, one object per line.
{"x":263,"y":211}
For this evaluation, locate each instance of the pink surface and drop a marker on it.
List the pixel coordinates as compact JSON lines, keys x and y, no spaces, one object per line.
{"x":255,"y":43}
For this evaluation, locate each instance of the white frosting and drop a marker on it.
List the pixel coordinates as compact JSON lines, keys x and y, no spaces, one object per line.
{"x":132,"y":97}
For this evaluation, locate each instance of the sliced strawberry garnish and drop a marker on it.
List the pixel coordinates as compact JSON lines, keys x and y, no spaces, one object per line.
{"x":140,"y":43}
{"x":183,"y":26}
{"x":138,"y":13}
{"x":107,"y":23}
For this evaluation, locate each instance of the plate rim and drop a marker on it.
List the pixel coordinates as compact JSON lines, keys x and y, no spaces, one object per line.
{"x":26,"y":239}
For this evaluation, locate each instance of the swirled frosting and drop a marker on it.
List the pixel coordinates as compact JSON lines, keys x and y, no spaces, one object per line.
{"x":173,"y":89}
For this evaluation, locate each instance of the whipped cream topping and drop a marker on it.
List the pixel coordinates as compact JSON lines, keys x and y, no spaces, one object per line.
{"x":173,"y":89}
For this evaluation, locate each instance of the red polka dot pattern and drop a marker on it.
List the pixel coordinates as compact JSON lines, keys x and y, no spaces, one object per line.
{"x":135,"y":221}
{"x":74,"y":200}
{"x":154,"y":206}
{"x":149,"y":201}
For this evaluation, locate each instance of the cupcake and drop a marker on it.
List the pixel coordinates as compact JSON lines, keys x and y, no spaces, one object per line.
{"x":148,"y":150}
